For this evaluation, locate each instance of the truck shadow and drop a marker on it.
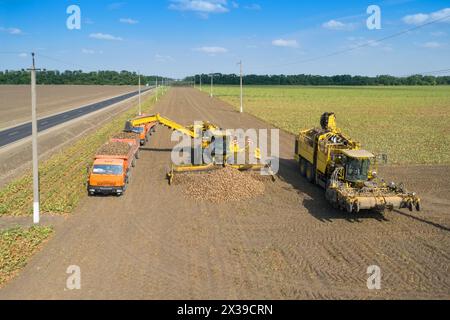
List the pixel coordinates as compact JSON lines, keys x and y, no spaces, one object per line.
{"x":156,"y":149}
{"x":314,"y":197}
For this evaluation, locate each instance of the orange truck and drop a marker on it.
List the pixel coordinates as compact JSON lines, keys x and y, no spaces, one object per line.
{"x":111,"y":170}
{"x":144,"y":132}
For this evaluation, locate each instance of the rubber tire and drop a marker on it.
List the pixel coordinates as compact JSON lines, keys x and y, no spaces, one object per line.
{"x":138,"y":154}
{"x":133,"y":163}
{"x":349,"y":207}
{"x":309,"y":172}
{"x":303,"y":164}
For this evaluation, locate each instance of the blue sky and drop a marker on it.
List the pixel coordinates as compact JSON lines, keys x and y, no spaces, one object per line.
{"x":176,"y":38}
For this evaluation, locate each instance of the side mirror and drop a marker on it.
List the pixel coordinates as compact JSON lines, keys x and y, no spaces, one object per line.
{"x":383,"y":158}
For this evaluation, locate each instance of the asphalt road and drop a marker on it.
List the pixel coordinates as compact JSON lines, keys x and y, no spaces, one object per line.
{"x":22,"y":131}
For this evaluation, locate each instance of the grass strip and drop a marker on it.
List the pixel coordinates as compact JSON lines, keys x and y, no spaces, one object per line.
{"x":16,"y":246}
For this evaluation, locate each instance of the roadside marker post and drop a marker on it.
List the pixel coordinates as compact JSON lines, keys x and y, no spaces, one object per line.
{"x":140,"y":110}
{"x":212,"y":84}
{"x":242,"y":93}
{"x":36,"y":214}
{"x":156,"y":89}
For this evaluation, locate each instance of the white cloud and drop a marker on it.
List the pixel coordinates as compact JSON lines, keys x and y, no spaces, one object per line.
{"x":163,"y":58}
{"x":116,"y":5}
{"x":14,"y":31}
{"x":200,"y":6}
{"x":431,"y":45}
{"x":337,"y":25}
{"x":438,"y":34}
{"x":128,"y":21}
{"x":234,"y":5}
{"x":23,"y":55}
{"x":212,"y":50}
{"x":285,"y":43}
{"x":104,"y":36}
{"x":416,"y":19}
{"x":87,"y":51}
{"x":421,"y":18}
{"x":253,"y":7}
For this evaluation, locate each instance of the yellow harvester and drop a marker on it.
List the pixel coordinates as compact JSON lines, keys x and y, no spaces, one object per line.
{"x":332,"y":160}
{"x":222,"y":148}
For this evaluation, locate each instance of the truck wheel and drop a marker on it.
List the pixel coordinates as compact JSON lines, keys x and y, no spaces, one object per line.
{"x":302,"y":167}
{"x":309,"y":172}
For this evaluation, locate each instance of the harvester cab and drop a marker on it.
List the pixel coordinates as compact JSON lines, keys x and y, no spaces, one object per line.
{"x":357,"y":164}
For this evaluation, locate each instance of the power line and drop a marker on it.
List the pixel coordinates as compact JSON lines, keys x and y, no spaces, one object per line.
{"x":63,"y":61}
{"x":435,"y":72}
{"x":11,"y":52}
{"x":367,"y":44}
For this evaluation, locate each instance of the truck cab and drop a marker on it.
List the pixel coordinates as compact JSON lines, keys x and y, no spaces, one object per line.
{"x":357,"y":165}
{"x":108,"y":176}
{"x":142,"y":132}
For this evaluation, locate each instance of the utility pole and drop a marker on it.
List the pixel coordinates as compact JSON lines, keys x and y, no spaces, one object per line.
{"x":212,"y":84}
{"x":34,"y":132}
{"x":140,"y":110}
{"x":156,"y":89}
{"x":242,"y":93}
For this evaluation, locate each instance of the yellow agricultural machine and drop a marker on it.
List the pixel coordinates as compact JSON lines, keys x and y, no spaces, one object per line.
{"x":337,"y":163}
{"x":221,"y":148}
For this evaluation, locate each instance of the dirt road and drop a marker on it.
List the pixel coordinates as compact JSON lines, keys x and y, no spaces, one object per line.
{"x":286,"y":244}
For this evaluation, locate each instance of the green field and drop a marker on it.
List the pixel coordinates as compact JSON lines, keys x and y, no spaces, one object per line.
{"x":410,"y":124}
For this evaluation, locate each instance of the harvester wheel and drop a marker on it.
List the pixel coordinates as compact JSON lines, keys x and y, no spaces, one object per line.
{"x":410,"y":206}
{"x":138,"y":154}
{"x":418,"y":206}
{"x":309,"y":172}
{"x":302,"y":167}
{"x":349,"y":207}
{"x":133,"y":163}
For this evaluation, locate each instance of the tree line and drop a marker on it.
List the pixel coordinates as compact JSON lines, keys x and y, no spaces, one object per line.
{"x":77,"y":77}
{"x":315,"y":80}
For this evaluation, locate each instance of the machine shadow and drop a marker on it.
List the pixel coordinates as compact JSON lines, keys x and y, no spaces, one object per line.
{"x":315,"y":202}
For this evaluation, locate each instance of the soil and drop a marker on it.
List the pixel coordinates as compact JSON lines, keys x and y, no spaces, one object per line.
{"x":288,"y":243}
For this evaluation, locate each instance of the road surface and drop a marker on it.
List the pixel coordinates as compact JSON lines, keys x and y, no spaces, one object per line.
{"x":154,"y":243}
{"x":22,"y":131}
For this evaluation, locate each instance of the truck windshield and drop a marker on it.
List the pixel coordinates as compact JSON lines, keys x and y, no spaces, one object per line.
{"x":357,"y":169}
{"x":138,"y":129}
{"x":107,"y":169}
